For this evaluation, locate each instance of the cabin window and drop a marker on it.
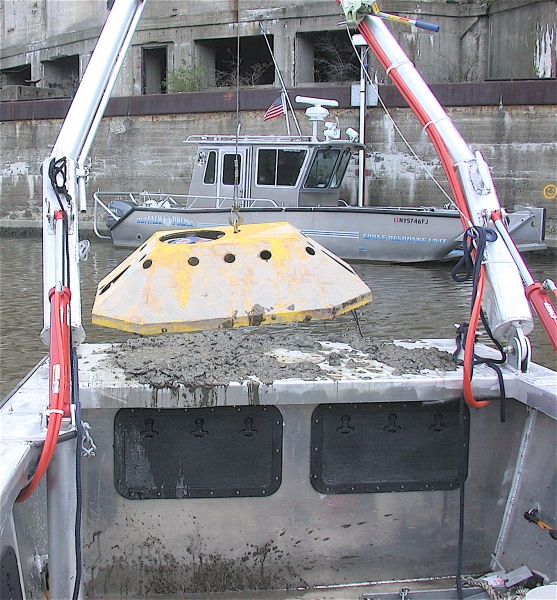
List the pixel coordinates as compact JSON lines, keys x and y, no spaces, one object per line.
{"x":322,"y":168}
{"x":210,"y":168}
{"x":228,"y":169}
{"x":279,"y":167}
{"x":338,"y":175}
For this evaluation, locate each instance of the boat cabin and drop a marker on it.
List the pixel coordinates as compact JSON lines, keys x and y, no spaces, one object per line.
{"x":270,"y":170}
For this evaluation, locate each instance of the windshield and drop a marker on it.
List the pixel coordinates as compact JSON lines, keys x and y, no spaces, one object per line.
{"x":322,"y":168}
{"x":341,"y":169}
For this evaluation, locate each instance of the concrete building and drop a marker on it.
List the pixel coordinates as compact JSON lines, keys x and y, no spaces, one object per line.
{"x":194,"y":46}
{"x":47,"y":43}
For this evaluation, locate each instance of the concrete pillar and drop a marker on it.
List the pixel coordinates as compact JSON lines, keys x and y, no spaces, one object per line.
{"x":304,"y":59}
{"x":284,"y":55}
{"x":205,"y":58}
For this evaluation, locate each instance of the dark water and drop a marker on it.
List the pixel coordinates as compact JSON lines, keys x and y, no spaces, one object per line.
{"x":409,"y":302}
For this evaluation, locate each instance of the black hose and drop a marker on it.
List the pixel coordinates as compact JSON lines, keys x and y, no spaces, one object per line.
{"x":481,"y":236}
{"x":462,"y":478}
{"x":78,"y":483}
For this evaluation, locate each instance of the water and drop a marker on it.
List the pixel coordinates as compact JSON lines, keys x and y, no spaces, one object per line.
{"x":409,"y":302}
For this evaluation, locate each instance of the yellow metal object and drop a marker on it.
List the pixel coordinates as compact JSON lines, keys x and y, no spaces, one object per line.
{"x":214,"y":278}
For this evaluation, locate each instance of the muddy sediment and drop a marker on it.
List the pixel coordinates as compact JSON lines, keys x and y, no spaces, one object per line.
{"x":216,"y":358}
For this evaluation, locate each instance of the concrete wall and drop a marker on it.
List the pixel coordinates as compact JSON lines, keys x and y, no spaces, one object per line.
{"x":146,"y":153}
{"x":498,"y":39}
{"x":522,"y":39}
{"x":517,"y":142}
{"x":514,"y":39}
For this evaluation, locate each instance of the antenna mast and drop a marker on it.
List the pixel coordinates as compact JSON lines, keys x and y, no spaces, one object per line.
{"x":283,"y":87}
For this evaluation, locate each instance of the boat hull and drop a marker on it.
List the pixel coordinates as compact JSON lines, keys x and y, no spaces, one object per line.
{"x":178,"y":542}
{"x":353,"y":233}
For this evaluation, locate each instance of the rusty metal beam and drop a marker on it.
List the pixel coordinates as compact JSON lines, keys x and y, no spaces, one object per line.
{"x":484,"y":93}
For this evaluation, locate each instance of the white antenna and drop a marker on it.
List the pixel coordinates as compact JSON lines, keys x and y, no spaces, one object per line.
{"x":317,"y":111}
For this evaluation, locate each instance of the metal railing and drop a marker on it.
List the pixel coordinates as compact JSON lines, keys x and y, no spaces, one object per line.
{"x":163,"y":200}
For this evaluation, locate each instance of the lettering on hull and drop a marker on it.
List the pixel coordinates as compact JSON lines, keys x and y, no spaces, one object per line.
{"x":166,"y":220}
{"x":378,"y":237}
{"x":411,"y":220}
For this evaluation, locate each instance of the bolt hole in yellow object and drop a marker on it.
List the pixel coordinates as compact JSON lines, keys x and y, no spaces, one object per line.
{"x":265,"y":255}
{"x":191,"y":237}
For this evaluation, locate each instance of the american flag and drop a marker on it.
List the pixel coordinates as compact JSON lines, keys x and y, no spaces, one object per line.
{"x":276,"y":109}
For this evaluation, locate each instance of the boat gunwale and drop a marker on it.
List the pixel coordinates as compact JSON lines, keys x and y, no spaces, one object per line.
{"x":413,"y":211}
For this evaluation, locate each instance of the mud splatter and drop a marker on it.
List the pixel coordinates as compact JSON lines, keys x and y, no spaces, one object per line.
{"x":150,"y":568}
{"x":206,"y":360}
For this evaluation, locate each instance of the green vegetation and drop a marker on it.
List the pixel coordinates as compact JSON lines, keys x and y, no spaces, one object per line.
{"x":187,"y":78}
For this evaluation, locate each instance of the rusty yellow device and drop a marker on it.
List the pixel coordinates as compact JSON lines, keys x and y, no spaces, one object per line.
{"x":192,"y":280}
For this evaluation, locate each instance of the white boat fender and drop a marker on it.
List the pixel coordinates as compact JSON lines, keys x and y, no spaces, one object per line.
{"x":545,"y":592}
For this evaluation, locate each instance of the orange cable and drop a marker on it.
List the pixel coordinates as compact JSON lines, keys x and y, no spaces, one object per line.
{"x":56,"y":402}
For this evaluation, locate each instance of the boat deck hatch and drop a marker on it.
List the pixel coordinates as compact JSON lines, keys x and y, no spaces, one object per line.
{"x":218,"y":452}
{"x":387,"y":447}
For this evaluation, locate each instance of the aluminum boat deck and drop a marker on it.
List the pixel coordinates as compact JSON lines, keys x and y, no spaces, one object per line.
{"x":321,"y":531}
